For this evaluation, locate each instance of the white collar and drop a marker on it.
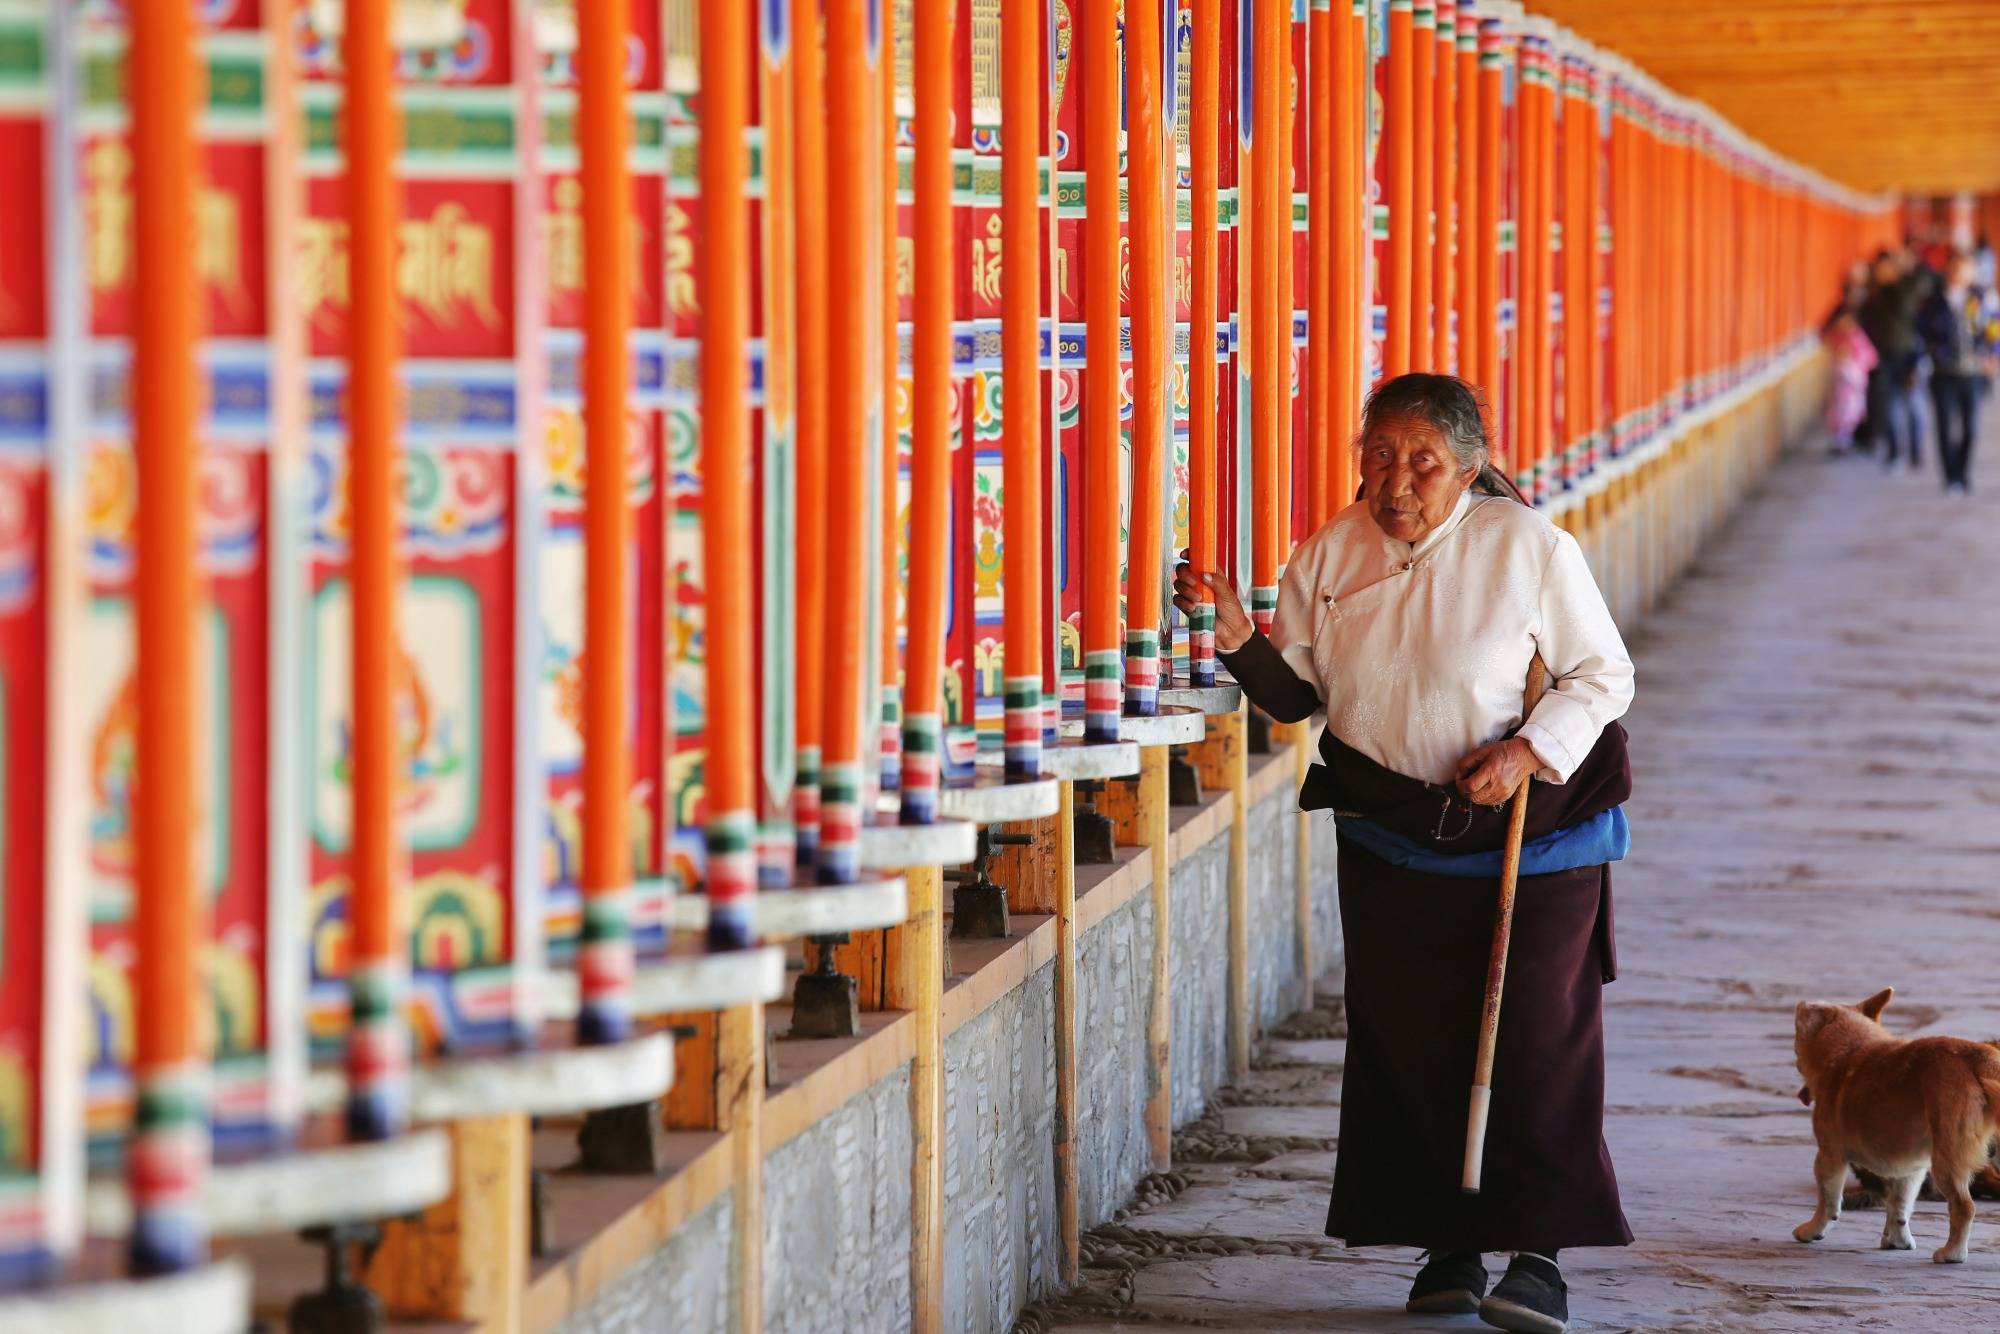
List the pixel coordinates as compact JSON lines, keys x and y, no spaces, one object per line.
{"x":1411,"y":552}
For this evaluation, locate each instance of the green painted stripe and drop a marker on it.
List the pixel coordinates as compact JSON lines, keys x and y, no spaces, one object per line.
{"x":235,"y":81}
{"x":607,"y":916}
{"x":21,"y":56}
{"x":168,"y":1102}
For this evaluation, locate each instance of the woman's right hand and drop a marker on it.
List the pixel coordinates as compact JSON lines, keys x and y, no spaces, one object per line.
{"x":1232,"y":624}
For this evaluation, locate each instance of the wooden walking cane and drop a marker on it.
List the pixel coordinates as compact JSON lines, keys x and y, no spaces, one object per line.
{"x":1496,"y":966}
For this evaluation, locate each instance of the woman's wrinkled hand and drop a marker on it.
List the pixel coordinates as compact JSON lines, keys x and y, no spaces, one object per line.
{"x":1232,"y":624}
{"x":1490,"y":774}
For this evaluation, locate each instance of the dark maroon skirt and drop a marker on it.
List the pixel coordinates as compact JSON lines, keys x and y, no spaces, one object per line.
{"x":1417,"y":948}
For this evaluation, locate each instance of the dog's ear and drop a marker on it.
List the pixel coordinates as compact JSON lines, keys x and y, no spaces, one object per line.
{"x":1808,"y":1019}
{"x":1872,"y":1007}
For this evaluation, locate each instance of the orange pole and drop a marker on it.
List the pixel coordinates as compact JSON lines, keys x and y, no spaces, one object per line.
{"x":851,"y":203}
{"x":814,"y":360}
{"x":1350,"y":247}
{"x":723,"y":289}
{"x":1397,"y":126}
{"x":1527,"y":315}
{"x":1423,"y":166}
{"x":1148,"y":221}
{"x":1465,"y":159}
{"x":378,"y":1037}
{"x":1543,"y":392}
{"x":1021,"y":380}
{"x":1103,"y":665}
{"x":1444,"y":188}
{"x":1623,"y":243}
{"x":1270,"y":378}
{"x":1321,"y":223}
{"x":1285,"y":248}
{"x":889,"y":657}
{"x":930,"y":417}
{"x":170,"y":1142}
{"x":1674,"y":205}
{"x":604,"y":957}
{"x":1486,"y":239}
{"x":1579,"y":233}
{"x":1593,"y":185}
{"x":1204,"y":125}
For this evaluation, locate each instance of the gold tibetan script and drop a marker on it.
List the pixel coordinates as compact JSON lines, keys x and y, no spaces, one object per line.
{"x":562,"y":242}
{"x":986,"y":261}
{"x":109,"y":219}
{"x":322,"y":265}
{"x":678,"y":246}
{"x":985,"y":62}
{"x":446,"y":265}
{"x":444,"y":268}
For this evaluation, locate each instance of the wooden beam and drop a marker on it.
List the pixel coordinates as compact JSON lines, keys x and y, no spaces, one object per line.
{"x":740,"y":1110}
{"x":916,"y":984}
{"x":1152,"y":817}
{"x":1223,"y":761}
{"x":465,"y":1257}
{"x":1068,"y":1229}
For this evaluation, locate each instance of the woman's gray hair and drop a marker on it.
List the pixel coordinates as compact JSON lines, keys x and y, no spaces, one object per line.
{"x":1453,"y":408}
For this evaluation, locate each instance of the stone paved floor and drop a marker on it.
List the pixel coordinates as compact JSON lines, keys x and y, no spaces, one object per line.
{"x":1817,"y":814}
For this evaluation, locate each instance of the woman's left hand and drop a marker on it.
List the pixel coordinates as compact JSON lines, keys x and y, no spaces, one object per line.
{"x":1490,"y":774}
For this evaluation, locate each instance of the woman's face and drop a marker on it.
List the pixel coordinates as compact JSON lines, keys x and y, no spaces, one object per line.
{"x":1413,"y":479}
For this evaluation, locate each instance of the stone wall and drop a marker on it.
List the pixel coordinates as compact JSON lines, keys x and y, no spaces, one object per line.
{"x":837,"y":1198}
{"x":837,"y":1217}
{"x":683,"y":1286}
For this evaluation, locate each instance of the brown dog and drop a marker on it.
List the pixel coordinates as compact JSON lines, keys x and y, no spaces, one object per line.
{"x":1897,"y":1107}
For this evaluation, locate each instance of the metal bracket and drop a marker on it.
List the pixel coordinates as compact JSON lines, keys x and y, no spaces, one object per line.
{"x":1093,"y":839}
{"x":826,"y":1002}
{"x":344,"y":1305}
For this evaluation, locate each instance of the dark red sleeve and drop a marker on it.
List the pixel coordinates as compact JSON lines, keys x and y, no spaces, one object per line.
{"x":1269,"y":680}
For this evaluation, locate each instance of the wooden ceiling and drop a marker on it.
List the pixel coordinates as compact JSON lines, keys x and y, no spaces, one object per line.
{"x":1895,"y":95}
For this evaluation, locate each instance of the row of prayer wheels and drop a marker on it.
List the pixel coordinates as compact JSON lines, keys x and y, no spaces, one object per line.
{"x":508,"y":506}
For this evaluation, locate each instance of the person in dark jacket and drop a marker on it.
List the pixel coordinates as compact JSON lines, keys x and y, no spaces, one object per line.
{"x":1959,"y":325}
{"x":1889,"y":318}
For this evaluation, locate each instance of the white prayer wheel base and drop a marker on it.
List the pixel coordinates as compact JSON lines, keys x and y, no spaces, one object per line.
{"x":684,"y":983}
{"x":1168,"y":727}
{"x":556,"y":1080}
{"x":815,"y":910}
{"x":214,"y":1299}
{"x":991,"y":799}
{"x":1072,"y":759}
{"x":302,"y":1187}
{"x":1212,"y":700}
{"x":889,"y":846}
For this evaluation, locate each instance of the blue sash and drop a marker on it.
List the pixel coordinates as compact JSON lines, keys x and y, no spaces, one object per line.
{"x":1604,"y":837}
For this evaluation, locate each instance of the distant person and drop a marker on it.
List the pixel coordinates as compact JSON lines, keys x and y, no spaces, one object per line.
{"x":1853,"y":358}
{"x":1959,"y":325}
{"x":1983,"y":263}
{"x":1889,"y":318}
{"x":1853,"y":295}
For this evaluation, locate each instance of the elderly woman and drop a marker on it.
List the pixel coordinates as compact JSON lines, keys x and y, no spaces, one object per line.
{"x":1410,"y":621}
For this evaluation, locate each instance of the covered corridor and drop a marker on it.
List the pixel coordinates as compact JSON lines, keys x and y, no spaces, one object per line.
{"x":1816,"y":814}
{"x":638,"y":639}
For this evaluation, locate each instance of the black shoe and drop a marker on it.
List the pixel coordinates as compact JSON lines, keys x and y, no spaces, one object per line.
{"x":1449,"y":1284}
{"x":1530,"y":1298}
